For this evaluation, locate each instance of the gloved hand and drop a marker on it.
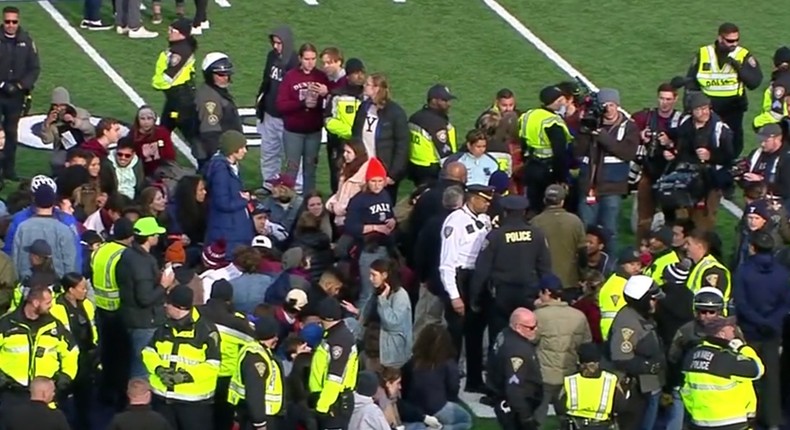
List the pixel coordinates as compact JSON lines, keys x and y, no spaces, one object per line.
{"x":666,"y":399}
{"x":62,"y":382}
{"x":736,"y":344}
{"x":432,"y":422}
{"x":10,"y":88}
{"x":181,"y":376}
{"x":166,"y":375}
{"x":733,"y":62}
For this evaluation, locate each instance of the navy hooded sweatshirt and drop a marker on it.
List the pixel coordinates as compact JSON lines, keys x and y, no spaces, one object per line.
{"x":761,"y":289}
{"x":367,"y":208}
{"x":274,"y":71}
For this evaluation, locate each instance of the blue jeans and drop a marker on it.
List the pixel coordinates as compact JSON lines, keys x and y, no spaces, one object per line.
{"x":605,"y":213}
{"x":139,"y":338}
{"x":366,"y":288}
{"x":651,"y":411}
{"x":675,"y":413}
{"x":452,"y":416}
{"x":92,"y":10}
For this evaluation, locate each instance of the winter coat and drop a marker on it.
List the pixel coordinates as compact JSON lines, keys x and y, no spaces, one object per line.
{"x":347,"y":188}
{"x":249,"y":290}
{"x":561,"y":329}
{"x":317,"y":246}
{"x":761,"y":291}
{"x":395,"y":327}
{"x":129,"y":179}
{"x":228,"y":217}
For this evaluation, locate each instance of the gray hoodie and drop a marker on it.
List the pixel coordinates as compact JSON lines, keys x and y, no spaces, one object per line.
{"x":367,"y":415}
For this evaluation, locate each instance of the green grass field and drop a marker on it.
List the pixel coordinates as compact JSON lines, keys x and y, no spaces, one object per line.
{"x":629,"y":45}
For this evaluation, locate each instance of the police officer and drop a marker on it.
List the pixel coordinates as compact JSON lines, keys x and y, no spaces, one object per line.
{"x":183,"y":359}
{"x":591,"y":397}
{"x":610,"y":296}
{"x":333,"y":370}
{"x":19,"y":71}
{"x":256,"y":387}
{"x":718,"y":391}
{"x":511,"y":284}
{"x":775,"y":99}
{"x":34,"y":343}
{"x":660,"y":241}
{"x":217,"y":112}
{"x":545,"y":137}
{"x":175,"y":77}
{"x":770,"y":162}
{"x":635,"y":350}
{"x":341,"y":108}
{"x":463,"y":234}
{"x":114,"y":347}
{"x":432,"y":136}
{"x":235,"y":331}
{"x":514,"y":375}
{"x":707,"y":270}
{"x":721,"y":70}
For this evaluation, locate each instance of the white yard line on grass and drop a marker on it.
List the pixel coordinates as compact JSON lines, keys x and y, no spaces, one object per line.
{"x":105,"y":67}
{"x":555,"y":58}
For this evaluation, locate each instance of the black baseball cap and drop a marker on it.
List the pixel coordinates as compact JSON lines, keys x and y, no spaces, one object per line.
{"x":769,"y":130}
{"x":549,"y":95}
{"x":39,"y":247}
{"x":354,"y":65}
{"x":122,"y":229}
{"x":440,"y":92}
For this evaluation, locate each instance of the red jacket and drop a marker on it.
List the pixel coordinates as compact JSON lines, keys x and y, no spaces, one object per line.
{"x":154,"y":148}
{"x":591,"y":310}
{"x":96,"y":148}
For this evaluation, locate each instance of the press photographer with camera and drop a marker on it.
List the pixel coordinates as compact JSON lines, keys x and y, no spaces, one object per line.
{"x":66,"y":126}
{"x":769,"y":164}
{"x":704,"y":146}
{"x":654,"y":125}
{"x":607,"y":142}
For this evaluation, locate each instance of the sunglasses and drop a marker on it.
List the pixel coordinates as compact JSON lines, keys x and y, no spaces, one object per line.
{"x":124,"y":155}
{"x":12,"y":21}
{"x":708,"y":312}
{"x":732,"y":40}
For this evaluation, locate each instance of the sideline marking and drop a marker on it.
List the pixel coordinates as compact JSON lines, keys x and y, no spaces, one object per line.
{"x":105,"y":67}
{"x":311,"y":2}
{"x":555,"y":58}
{"x":222,"y":3}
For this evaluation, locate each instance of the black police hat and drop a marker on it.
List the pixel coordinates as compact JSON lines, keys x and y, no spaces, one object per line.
{"x":514,"y":203}
{"x":483,"y":191}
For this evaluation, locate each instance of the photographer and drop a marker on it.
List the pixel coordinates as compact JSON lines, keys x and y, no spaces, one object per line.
{"x":654,"y":125}
{"x":605,"y":152}
{"x":770,"y":163}
{"x":705,"y":142}
{"x":65,"y":127}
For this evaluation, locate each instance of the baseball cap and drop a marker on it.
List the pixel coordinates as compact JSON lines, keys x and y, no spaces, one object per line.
{"x":354,"y":65}
{"x":769,"y":130}
{"x":261,"y":241}
{"x":555,"y":193}
{"x":260,"y":208}
{"x":549,"y":95}
{"x":283,"y":179}
{"x":440,"y":92}
{"x":514,"y":203}
{"x":296,"y":299}
{"x":39,"y":247}
{"x":122,"y":229}
{"x":550,"y":282}
{"x":183,"y":26}
{"x":147,"y":226}
{"x":628,"y":255}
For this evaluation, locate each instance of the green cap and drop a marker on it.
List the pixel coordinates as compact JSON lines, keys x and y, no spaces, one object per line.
{"x":148,"y":227}
{"x":231,"y":141}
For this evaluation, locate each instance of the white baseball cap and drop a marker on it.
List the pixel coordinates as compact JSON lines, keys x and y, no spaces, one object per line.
{"x":296,"y":299}
{"x":261,"y":241}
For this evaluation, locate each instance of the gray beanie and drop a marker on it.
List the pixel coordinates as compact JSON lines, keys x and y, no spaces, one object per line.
{"x":60,"y":96}
{"x":609,"y":95}
{"x":697,"y":99}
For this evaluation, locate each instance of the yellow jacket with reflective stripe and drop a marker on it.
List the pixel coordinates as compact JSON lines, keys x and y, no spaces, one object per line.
{"x":105,"y":286}
{"x":610,"y":301}
{"x":343,"y":110}
{"x":424,"y":150}
{"x":694,"y":282}
{"x":325,"y":380}
{"x":19,"y":296}
{"x":191,"y":345}
{"x":591,"y":398}
{"x":233,"y":341}
{"x":60,"y":312}
{"x":715,"y":81}
{"x":161,"y":81}
{"x":532,"y":127}
{"x":774,"y":108}
{"x":656,"y":269}
{"x":274,"y":380}
{"x":26,"y":353}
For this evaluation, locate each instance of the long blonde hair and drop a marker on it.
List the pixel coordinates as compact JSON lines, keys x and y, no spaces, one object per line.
{"x":384,"y":94}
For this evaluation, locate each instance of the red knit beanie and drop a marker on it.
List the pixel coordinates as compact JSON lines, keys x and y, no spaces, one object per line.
{"x":375,"y":169}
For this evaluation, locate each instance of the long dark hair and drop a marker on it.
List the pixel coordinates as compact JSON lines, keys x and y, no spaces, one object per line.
{"x":191,"y":214}
{"x":348,"y":170}
{"x":433,"y":347}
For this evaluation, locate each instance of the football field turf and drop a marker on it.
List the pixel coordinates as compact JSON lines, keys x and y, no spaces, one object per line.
{"x":475,"y":47}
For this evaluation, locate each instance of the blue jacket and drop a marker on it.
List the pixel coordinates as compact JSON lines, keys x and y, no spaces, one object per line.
{"x":761,"y":289}
{"x":367,"y":208}
{"x":249,"y":290}
{"x":228,"y":217}
{"x":26,"y":214}
{"x":395,"y":331}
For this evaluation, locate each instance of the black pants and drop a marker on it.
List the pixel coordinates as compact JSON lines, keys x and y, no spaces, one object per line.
{"x":180,"y":115}
{"x":201,"y":6}
{"x":11,"y":110}
{"x":467,"y":330}
{"x":115,"y":351}
{"x":769,"y":402}
{"x":537,"y":177}
{"x":223,"y":411}
{"x":507,"y":298}
{"x":82,"y":403}
{"x":735,"y":121}
{"x":272,"y":423}
{"x":185,"y":416}
{"x":334,"y":150}
{"x":631,"y":418}
{"x":422,"y":175}
{"x":506,"y":418}
{"x":340,"y":413}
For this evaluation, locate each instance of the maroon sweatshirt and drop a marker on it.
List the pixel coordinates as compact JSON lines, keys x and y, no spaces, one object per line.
{"x":297,"y":117}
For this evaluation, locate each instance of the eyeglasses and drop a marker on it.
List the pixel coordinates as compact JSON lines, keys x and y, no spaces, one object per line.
{"x":124,"y":155}
{"x":12,"y":21}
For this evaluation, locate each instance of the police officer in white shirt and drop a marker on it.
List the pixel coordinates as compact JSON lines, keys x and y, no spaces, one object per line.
{"x":463,"y":234}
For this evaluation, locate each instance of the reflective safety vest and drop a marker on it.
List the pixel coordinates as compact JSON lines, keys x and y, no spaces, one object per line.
{"x":423,"y":150}
{"x":716,"y":401}
{"x":532,"y":127}
{"x":715,"y":81}
{"x":19,"y":296}
{"x":162,"y":82}
{"x":61,"y":313}
{"x":326,"y":385}
{"x":26,"y":354}
{"x":694,"y":282}
{"x":590,"y":398}
{"x":610,"y":301}
{"x":194,"y":350}
{"x":774,"y":107}
{"x":105,"y":286}
{"x":232,"y":342}
{"x":273,"y":396}
{"x":344,"y":109}
{"x":656,"y":269}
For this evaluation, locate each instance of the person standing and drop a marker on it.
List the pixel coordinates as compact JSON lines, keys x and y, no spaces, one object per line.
{"x":432,"y":136}
{"x":301,"y":102}
{"x":19,"y":72}
{"x":339,"y":115}
{"x":36,"y":413}
{"x":708,"y":271}
{"x":216,"y":108}
{"x":610,"y":296}
{"x":128,"y":20}
{"x":139,"y":415}
{"x":279,"y":61}
{"x":723,"y":70}
{"x":660,"y":241}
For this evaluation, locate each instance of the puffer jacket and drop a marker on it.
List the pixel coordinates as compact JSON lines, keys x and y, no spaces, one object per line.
{"x":561,"y":330}
{"x":347,"y":188}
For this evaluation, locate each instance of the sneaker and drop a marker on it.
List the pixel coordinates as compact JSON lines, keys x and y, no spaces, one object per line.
{"x":94,"y":25}
{"x":157,"y":19}
{"x":142,"y":33}
{"x":197,"y":31}
{"x":121,"y":30}
{"x":205,"y":25}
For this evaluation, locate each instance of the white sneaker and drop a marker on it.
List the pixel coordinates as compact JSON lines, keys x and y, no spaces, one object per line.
{"x":197,"y":31}
{"x":142,"y":33}
{"x":205,"y":25}
{"x":121,"y":30}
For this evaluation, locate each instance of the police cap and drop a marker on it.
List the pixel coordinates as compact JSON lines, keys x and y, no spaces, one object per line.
{"x":514,"y":203}
{"x":628,"y":255}
{"x":708,"y":299}
{"x":483,"y":191}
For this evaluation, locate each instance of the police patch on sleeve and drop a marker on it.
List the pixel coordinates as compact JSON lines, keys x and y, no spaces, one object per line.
{"x":261,"y":368}
{"x":214,"y":336}
{"x":441,"y":136}
{"x":712,"y":279}
{"x":174,"y":59}
{"x":752,"y":62}
{"x":627,"y":333}
{"x":447,"y":231}
{"x":779,"y":92}
{"x":337,"y":351}
{"x":626,"y":347}
{"x":515,"y":363}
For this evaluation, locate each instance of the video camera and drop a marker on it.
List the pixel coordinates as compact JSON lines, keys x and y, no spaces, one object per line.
{"x":740,"y":168}
{"x":592,"y":109}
